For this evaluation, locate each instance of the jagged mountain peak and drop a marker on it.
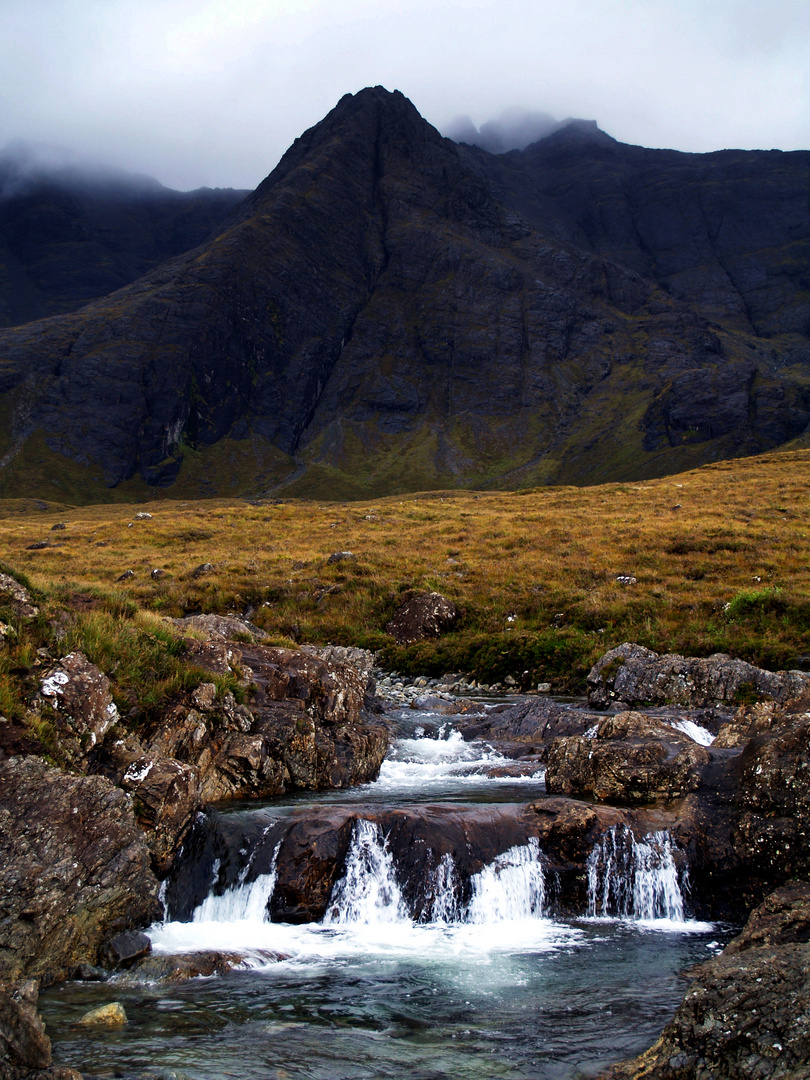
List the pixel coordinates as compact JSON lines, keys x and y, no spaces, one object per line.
{"x":391,"y":311}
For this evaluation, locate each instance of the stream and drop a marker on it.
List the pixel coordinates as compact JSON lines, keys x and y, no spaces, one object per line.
{"x":475,"y":979}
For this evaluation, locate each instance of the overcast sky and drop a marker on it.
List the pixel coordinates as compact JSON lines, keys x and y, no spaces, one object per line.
{"x":211,"y":92}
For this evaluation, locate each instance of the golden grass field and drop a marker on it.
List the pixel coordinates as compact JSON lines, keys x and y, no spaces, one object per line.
{"x":721,"y":558}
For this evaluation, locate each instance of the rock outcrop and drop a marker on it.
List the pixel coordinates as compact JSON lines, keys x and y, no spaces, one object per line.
{"x":628,"y":758}
{"x":25,"y":1049}
{"x":303,"y":726}
{"x":634,"y":675}
{"x":746,"y":1013}
{"x":74,"y":869}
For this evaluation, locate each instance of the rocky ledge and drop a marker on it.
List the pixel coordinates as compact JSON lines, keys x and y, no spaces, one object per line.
{"x":638,"y":676}
{"x":747,"y":1012}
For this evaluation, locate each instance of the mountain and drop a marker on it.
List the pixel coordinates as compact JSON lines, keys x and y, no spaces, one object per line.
{"x":390,"y":310}
{"x":69,"y":235}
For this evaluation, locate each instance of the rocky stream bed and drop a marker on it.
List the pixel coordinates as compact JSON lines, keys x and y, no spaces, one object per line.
{"x":339,"y":879}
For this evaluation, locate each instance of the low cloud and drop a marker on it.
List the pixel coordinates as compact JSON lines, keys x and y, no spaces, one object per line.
{"x":514,"y":129}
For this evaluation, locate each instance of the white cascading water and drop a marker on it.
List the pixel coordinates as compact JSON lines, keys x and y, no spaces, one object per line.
{"x":368,"y":892}
{"x":510,"y":888}
{"x":695,"y":732}
{"x":242,"y":902}
{"x":444,"y":890}
{"x":635,"y":879}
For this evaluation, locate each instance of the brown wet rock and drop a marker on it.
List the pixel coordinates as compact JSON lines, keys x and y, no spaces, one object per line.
{"x":631,"y":758}
{"x":423,"y":616}
{"x":184,"y":966}
{"x":74,"y":869}
{"x":23,"y":1042}
{"x":532,"y":720}
{"x":772,"y":825}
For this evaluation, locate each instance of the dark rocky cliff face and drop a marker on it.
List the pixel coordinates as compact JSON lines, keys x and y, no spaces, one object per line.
{"x":68,"y":237}
{"x":392,"y":311}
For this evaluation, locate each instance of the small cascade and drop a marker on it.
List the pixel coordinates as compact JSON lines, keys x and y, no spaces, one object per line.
{"x":634,"y":879}
{"x":696,"y":733}
{"x":444,"y":891}
{"x":368,"y":892}
{"x":246,"y":901}
{"x":512,"y":887}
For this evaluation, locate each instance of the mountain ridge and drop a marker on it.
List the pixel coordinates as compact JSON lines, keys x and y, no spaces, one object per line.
{"x":390,"y":310}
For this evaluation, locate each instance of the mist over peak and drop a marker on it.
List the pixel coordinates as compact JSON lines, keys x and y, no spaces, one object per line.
{"x":515,"y":129}
{"x":25,"y":165}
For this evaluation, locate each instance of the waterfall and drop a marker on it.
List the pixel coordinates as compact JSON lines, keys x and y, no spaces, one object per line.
{"x":634,"y":879}
{"x":368,"y":892}
{"x":243,"y":901}
{"x":444,"y":892}
{"x":512,"y":887}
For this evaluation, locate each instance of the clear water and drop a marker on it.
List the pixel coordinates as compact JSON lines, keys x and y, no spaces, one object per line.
{"x":492,"y":989}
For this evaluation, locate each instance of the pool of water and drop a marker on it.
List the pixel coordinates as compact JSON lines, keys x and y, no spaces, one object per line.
{"x":532,"y":998}
{"x":494,"y":988}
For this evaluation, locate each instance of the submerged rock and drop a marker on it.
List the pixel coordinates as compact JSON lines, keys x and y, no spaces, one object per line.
{"x":635,"y":675}
{"x":107,"y":1016}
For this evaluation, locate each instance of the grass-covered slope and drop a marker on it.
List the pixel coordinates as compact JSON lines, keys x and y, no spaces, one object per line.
{"x":720,"y":557}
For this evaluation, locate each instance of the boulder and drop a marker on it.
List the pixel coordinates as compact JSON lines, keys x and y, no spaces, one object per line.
{"x":423,"y":616}
{"x":635,"y":675}
{"x":80,"y":696}
{"x":74,"y":869}
{"x":629,"y":758}
{"x":124,"y":950}
{"x":533,"y":720}
{"x":176,"y":969}
{"x":748,"y":721}
{"x":745,"y":1013}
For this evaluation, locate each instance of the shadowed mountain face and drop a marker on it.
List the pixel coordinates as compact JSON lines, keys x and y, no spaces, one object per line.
{"x":69,"y":236}
{"x":390,"y":310}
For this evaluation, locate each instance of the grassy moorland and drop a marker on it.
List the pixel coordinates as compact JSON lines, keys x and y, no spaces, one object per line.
{"x":720,"y":557}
